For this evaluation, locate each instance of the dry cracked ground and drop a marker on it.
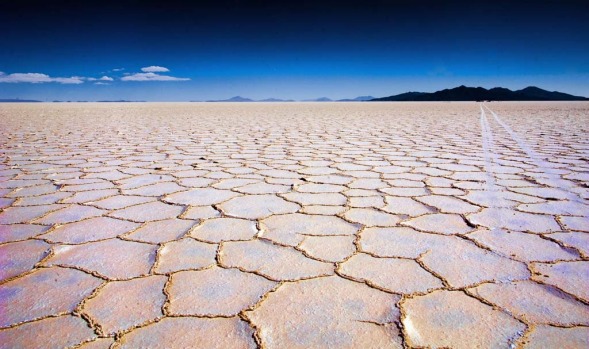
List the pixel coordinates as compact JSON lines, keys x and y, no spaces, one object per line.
{"x":293,"y":225}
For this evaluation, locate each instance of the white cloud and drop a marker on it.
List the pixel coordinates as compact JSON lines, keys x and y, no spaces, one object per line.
{"x":148,"y":74}
{"x":151,"y":77}
{"x":104,"y":78}
{"x":71,"y":80}
{"x":101,"y":83}
{"x":38,"y":78}
{"x":155,"y":69}
{"x":118,"y":69}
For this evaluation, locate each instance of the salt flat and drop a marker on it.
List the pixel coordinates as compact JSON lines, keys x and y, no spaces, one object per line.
{"x":294,"y":225}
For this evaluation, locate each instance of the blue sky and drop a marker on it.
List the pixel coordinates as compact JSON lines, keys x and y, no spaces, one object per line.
{"x":173,"y":51}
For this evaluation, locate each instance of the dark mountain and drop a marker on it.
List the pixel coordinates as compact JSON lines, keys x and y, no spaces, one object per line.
{"x":463,"y":93}
{"x":357,"y":99}
{"x":233,"y":99}
{"x":17,"y":100}
{"x":407,"y":96}
{"x":540,"y":94}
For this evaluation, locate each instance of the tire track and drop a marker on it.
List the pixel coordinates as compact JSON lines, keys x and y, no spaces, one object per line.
{"x":549,"y":178}
{"x":491,"y":160}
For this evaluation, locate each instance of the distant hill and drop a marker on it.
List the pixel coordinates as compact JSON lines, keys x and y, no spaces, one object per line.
{"x":320,"y":99}
{"x":233,"y":99}
{"x":407,"y":96}
{"x":540,"y":94}
{"x":119,"y":101}
{"x":357,"y":99}
{"x":275,"y":100}
{"x":17,"y":100}
{"x":463,"y":93}
{"x":243,"y":99}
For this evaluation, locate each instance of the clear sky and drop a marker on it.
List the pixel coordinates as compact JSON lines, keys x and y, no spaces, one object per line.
{"x":173,"y":51}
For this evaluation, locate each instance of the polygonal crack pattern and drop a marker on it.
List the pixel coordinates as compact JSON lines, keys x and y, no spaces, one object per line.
{"x":301,"y":226}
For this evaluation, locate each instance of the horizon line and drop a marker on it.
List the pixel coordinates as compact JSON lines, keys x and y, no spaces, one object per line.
{"x":240,"y":99}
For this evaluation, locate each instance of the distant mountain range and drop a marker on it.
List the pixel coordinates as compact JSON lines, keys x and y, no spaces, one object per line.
{"x":325,"y":99}
{"x":463,"y":93}
{"x":233,"y":99}
{"x":17,"y":100}
{"x":357,"y":99}
{"x":121,"y":101}
{"x":242,"y":99}
{"x":460,"y":93}
{"x":321,"y":99}
{"x":276,"y":100}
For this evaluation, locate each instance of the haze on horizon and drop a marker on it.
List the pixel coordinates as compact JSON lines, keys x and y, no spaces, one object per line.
{"x":173,"y":51}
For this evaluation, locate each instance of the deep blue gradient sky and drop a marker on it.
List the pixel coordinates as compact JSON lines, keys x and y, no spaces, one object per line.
{"x":298,"y":49}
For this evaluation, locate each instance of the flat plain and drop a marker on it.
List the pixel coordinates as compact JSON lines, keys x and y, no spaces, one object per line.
{"x":294,"y":225}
